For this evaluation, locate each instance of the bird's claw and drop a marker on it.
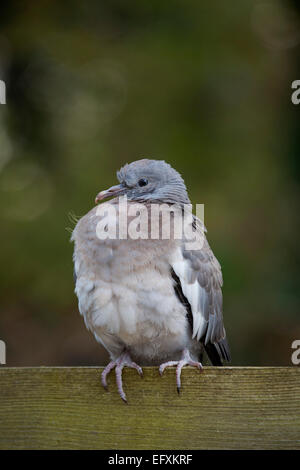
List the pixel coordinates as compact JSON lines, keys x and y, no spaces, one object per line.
{"x":185,"y":360}
{"x":118,"y":365}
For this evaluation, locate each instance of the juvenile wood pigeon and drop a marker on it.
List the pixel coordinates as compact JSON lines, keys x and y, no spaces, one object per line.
{"x":148,"y":301}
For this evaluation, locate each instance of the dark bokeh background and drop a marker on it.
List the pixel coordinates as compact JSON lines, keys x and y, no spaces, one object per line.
{"x":205,"y":86}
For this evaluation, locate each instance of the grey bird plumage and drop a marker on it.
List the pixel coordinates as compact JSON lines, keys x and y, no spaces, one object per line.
{"x":149,"y":301}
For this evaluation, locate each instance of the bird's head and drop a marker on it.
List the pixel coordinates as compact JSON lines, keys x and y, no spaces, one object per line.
{"x":148,"y":181}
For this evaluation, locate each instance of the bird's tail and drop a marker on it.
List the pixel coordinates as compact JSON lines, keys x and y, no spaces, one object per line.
{"x":218,"y":352}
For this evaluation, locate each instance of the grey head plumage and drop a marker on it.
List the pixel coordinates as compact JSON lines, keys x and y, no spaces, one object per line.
{"x":150,"y":181}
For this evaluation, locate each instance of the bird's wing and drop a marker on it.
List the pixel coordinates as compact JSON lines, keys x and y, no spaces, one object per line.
{"x":198,"y":284}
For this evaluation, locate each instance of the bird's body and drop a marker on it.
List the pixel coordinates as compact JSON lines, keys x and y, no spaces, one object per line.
{"x":131,"y":304}
{"x":148,"y":301}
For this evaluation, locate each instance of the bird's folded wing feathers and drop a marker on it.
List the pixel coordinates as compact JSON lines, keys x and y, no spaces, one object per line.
{"x":200,"y":276}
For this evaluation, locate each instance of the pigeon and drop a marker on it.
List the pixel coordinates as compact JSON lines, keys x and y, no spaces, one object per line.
{"x":148,"y":300}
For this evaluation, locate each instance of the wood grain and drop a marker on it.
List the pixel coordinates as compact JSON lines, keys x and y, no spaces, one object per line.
{"x":220,"y":408}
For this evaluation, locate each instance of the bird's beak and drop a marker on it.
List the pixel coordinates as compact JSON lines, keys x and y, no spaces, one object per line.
{"x":113,"y":191}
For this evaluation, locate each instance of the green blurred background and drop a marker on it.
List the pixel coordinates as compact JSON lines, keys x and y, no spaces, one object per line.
{"x":205,"y":86}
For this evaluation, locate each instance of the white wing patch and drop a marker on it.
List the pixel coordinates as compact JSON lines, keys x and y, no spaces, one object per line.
{"x":195,"y":294}
{"x":201,"y":280}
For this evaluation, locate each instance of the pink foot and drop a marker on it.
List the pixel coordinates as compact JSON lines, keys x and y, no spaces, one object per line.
{"x":119,"y":364}
{"x":186,"y":360}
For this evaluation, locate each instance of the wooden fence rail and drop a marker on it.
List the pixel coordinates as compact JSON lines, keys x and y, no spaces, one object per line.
{"x":220,"y":408}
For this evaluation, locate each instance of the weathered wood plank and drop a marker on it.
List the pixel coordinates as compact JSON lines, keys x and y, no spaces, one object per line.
{"x":221,"y":408}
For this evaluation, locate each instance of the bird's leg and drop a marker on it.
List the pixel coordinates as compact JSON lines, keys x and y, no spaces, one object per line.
{"x":123,"y":360}
{"x":185,"y":360}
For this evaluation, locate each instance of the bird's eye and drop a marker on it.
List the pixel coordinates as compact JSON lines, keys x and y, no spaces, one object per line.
{"x":143,"y":182}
